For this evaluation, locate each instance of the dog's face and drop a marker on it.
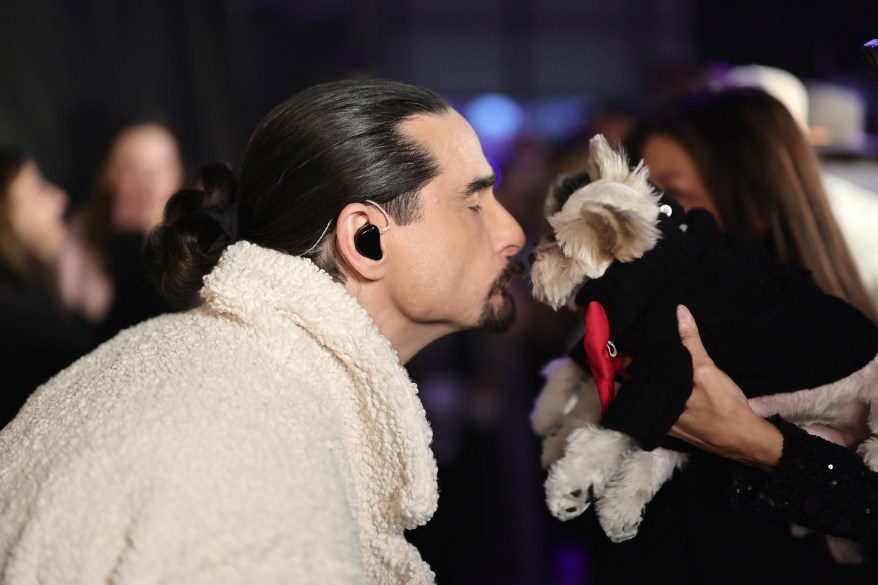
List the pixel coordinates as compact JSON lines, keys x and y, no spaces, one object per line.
{"x":611,"y":218}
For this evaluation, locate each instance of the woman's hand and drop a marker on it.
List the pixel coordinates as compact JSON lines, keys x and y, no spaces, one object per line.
{"x":717,"y":418}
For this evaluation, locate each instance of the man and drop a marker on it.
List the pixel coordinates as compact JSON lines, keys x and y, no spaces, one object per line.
{"x":272,"y":434}
{"x":446,"y":271}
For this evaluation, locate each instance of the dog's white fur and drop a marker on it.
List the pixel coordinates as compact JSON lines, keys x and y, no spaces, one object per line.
{"x":572,"y":402}
{"x":612,"y":218}
{"x":587,"y":462}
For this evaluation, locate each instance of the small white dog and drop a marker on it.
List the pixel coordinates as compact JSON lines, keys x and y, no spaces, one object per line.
{"x":596,"y":454}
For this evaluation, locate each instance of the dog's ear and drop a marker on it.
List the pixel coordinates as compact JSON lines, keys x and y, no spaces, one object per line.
{"x":606,"y":163}
{"x":562,"y":189}
{"x":602,"y":233}
{"x":626,"y":234}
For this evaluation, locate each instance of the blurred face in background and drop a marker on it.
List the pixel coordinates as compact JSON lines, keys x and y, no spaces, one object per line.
{"x":673,"y":171}
{"x":36,"y":213}
{"x":143,"y":170}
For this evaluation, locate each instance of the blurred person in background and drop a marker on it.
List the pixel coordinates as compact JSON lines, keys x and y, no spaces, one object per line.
{"x":38,"y":337}
{"x":102,"y":272}
{"x":739,"y":153}
{"x":832,"y":117}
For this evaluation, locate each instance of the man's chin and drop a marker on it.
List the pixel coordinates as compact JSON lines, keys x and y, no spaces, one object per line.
{"x":498,"y":315}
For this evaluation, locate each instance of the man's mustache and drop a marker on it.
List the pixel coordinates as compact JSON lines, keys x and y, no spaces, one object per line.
{"x":514,"y":267}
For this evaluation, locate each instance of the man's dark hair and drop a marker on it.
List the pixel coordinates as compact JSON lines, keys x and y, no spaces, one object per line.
{"x":323,"y":148}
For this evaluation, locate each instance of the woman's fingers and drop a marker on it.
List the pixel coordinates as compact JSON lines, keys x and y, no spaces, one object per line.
{"x":691,"y":338}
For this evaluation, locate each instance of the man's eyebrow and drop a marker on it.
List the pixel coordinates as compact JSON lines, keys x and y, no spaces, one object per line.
{"x":480,"y":184}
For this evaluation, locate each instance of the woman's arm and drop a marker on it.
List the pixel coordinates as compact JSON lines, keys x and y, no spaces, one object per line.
{"x":717,"y":418}
{"x":809,"y":481}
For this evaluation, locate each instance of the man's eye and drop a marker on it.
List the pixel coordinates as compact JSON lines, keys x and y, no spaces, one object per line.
{"x":476,"y":208}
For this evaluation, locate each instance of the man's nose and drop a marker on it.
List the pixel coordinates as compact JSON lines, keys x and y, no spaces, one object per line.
{"x":507,"y":232}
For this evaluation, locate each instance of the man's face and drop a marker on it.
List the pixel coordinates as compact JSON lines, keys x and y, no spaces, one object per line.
{"x":451,"y":267}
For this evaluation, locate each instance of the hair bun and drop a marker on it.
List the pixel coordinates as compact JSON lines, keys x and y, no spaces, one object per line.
{"x":197,"y":227}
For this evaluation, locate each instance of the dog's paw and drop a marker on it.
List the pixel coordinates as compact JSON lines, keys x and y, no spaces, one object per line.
{"x":565,"y":497}
{"x":592,"y":457}
{"x":623,"y":504}
{"x":619,"y":517}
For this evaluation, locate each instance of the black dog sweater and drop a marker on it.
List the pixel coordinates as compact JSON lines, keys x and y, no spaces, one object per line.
{"x":767,"y":325}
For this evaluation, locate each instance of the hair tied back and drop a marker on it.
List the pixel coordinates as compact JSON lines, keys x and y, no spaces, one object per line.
{"x":227,"y":220}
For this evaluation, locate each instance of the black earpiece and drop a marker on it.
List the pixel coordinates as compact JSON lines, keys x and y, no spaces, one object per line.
{"x":368,"y":241}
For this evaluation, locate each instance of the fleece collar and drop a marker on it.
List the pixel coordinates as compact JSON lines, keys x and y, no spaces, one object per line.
{"x":394,"y":462}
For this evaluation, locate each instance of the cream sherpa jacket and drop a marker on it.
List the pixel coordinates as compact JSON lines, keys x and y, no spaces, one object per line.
{"x":269,"y":436}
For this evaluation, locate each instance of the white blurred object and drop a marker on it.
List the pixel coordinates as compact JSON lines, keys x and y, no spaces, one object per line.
{"x":856,"y":211}
{"x":781,"y":84}
{"x":837,"y":117}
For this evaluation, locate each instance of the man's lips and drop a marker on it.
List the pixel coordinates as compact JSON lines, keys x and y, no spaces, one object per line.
{"x":513,"y":268}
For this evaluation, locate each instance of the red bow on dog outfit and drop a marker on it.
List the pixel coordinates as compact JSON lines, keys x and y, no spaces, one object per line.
{"x":604,"y":366}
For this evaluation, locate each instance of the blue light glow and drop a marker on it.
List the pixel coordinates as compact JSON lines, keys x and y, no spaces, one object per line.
{"x":495,"y":117}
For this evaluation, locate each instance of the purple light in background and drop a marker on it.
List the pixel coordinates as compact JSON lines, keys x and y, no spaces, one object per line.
{"x":570,"y":565}
{"x":496,"y":168}
{"x":495,"y":117}
{"x":497,"y":120}
{"x":558,"y":119}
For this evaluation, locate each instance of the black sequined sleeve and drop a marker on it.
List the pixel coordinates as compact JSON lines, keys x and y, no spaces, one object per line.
{"x":818,"y":484}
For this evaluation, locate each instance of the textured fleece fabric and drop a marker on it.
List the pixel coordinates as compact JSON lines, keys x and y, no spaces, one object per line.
{"x":269,"y":436}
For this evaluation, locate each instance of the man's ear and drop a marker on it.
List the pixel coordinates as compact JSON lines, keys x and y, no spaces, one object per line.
{"x":352,"y":219}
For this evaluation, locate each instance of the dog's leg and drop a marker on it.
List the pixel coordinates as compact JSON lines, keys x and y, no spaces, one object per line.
{"x":844,"y":551}
{"x":592,"y":456}
{"x":620,"y":510}
{"x":843,"y":411}
{"x":868,"y":450}
{"x":566,"y":383}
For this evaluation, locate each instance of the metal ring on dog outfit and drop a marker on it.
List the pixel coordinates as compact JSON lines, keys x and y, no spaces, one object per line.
{"x":666,"y":209}
{"x":611,"y":348}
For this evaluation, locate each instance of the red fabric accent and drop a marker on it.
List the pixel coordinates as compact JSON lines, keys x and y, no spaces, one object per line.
{"x":603,"y":367}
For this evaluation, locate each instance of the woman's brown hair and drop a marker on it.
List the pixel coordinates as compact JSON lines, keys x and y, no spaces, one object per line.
{"x":755,"y":162}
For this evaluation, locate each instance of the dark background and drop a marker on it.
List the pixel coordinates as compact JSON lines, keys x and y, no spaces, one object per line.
{"x":212,"y":69}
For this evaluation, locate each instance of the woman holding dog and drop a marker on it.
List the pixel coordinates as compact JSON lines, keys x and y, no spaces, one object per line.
{"x":794,"y":476}
{"x":740,"y":154}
